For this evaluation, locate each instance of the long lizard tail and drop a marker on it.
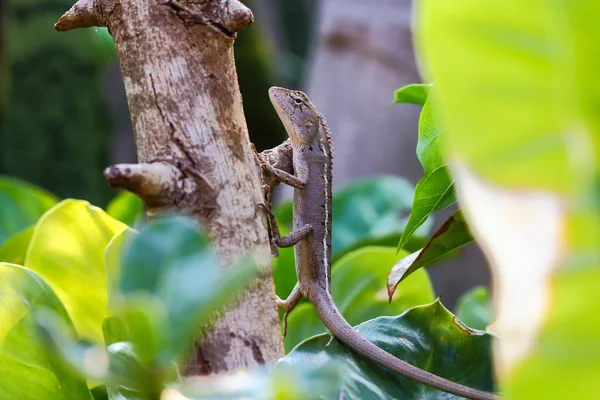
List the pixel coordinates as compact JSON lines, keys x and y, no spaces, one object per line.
{"x":335,"y":322}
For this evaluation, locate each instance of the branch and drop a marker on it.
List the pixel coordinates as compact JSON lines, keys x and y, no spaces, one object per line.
{"x":154,"y":183}
{"x":83,"y":14}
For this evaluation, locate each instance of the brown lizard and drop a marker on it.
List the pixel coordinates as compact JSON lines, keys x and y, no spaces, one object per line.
{"x":311,"y":235}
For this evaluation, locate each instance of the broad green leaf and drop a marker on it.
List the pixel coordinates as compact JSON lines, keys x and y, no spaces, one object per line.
{"x":171,"y":282}
{"x":452,"y":235}
{"x":516,"y":84}
{"x":358,"y":288}
{"x":13,"y":250}
{"x":429,"y":337}
{"x":518,"y":90}
{"x":67,"y":250}
{"x":21,"y":205}
{"x":126,"y":207}
{"x":415,"y":93}
{"x":435,"y":190}
{"x":27,"y":372}
{"x":474,"y":308}
{"x":318,"y":381}
{"x":366,"y":212}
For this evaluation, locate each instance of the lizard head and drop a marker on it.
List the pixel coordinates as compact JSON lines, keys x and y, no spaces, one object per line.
{"x":298,"y":114}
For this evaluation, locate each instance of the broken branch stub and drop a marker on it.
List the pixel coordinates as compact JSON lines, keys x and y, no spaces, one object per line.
{"x":178,"y":68}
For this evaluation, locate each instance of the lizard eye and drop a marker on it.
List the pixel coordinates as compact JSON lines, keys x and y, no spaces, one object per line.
{"x":298,"y":100}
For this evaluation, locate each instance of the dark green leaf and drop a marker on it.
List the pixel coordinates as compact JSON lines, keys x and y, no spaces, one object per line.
{"x":21,"y":205}
{"x":126,"y":207}
{"x":474,"y":308}
{"x":429,"y":337}
{"x":14,"y":250}
{"x":415,"y":93}
{"x":171,"y":282}
{"x":452,"y":235}
{"x":358,"y":288}
{"x":435,"y":190}
{"x":27,"y":370}
{"x":366,"y":212}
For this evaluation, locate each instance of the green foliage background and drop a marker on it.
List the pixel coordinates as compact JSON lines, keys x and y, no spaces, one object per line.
{"x":54,"y":123}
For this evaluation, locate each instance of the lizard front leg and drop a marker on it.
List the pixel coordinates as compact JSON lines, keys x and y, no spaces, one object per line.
{"x":283,"y":176}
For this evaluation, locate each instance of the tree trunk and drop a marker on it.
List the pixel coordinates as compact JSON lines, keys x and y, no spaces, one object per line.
{"x":177,"y":63}
{"x":363,"y":52}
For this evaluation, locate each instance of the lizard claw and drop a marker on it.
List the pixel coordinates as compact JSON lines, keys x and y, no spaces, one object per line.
{"x":259,"y":158}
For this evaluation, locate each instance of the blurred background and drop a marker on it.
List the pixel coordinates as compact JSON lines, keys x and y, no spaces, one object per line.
{"x":64,"y":118}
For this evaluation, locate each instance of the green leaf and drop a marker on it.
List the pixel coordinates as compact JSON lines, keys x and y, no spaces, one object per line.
{"x":357,"y":286}
{"x":474,"y":308}
{"x":415,"y":93}
{"x":21,"y":205}
{"x":452,"y":235}
{"x":118,"y":366}
{"x":517,"y":87}
{"x":67,"y":250}
{"x":435,"y":190}
{"x":27,"y":372}
{"x":171,"y":282}
{"x":126,"y":207}
{"x":13,"y":250}
{"x":518,"y":90}
{"x":366,"y":212}
{"x":318,"y":381}
{"x":429,"y":337}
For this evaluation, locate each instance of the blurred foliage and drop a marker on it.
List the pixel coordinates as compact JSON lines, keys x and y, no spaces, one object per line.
{"x":517,"y":86}
{"x":474,"y":308}
{"x":54,"y":126}
{"x":118,"y":308}
{"x":126,"y":207}
{"x":21,"y":205}
{"x":447,"y":348}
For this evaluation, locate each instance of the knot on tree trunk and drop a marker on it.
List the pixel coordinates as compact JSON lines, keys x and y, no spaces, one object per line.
{"x":157,"y":184}
{"x":84,"y":14}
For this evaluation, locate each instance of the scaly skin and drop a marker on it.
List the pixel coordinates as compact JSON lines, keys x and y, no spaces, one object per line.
{"x":311,"y":236}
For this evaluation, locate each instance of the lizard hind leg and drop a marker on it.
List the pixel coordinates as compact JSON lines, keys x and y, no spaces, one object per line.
{"x":289,"y":304}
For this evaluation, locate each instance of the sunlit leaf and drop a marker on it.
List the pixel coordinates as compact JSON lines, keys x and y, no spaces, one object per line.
{"x":14,"y":249}
{"x":27,"y":372}
{"x":415,"y":93}
{"x":429,"y":337}
{"x":358,"y":288}
{"x":21,"y":205}
{"x":435,"y":190}
{"x":67,"y":250}
{"x":452,"y":235}
{"x":518,"y":91}
{"x":474,"y":308}
{"x":126,"y":207}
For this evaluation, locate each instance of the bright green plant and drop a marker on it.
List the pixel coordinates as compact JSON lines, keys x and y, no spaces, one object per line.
{"x":115,"y":307}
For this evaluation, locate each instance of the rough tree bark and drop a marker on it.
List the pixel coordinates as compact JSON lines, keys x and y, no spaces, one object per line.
{"x":177,"y":64}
